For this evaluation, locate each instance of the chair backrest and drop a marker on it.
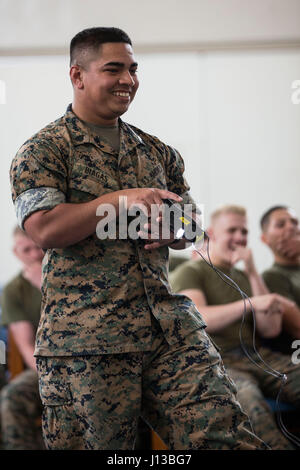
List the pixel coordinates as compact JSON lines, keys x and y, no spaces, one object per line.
{"x":15,"y":363}
{"x":156,"y":442}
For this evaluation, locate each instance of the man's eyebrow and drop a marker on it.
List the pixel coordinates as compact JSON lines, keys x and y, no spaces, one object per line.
{"x":120,"y":64}
{"x":292,"y":219}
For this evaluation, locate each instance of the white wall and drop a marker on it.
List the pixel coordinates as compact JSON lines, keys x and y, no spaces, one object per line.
{"x":50,"y":24}
{"x":229,"y":114}
{"x":37,"y":92}
{"x":254,"y":133}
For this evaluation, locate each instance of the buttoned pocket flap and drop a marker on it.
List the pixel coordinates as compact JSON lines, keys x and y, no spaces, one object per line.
{"x":55,"y":394}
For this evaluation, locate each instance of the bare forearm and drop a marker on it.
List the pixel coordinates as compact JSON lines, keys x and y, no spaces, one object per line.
{"x":67,"y":224}
{"x":257,"y":284}
{"x":219,"y":317}
{"x":24,"y":337}
{"x":28,"y":357}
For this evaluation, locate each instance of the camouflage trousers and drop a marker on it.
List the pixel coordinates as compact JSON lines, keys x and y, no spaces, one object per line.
{"x":254,"y":384}
{"x":21,"y":410}
{"x":182,"y":392}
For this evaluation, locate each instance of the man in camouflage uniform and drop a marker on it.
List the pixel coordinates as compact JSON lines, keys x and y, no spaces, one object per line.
{"x":223,"y":310}
{"x":113,"y":342}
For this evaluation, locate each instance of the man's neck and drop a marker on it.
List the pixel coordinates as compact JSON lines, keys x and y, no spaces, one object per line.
{"x":218,"y":261}
{"x":283,"y":261}
{"x":84,"y":115}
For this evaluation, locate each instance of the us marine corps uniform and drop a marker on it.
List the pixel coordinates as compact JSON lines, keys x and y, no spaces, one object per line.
{"x":111,"y":335}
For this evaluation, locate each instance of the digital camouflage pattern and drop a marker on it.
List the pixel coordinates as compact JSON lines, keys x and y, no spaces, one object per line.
{"x":100,"y":302}
{"x":254,"y":384}
{"x":98,"y":295}
{"x":21,"y":410}
{"x":94,"y":402}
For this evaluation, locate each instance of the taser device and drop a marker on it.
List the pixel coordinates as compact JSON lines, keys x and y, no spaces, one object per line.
{"x":183,"y":225}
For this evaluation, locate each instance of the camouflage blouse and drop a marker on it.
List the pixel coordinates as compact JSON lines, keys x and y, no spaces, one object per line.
{"x":98,"y":295}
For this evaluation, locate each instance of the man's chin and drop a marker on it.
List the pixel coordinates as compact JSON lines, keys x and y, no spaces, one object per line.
{"x":121,"y":110}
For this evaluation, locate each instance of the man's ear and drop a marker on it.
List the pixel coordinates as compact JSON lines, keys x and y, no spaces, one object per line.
{"x":16,"y":253}
{"x":210,"y":232}
{"x":264,"y":238}
{"x":76,"y":75}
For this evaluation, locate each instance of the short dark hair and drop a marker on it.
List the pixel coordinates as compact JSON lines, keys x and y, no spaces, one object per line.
{"x":265,"y":219}
{"x":89,"y":40}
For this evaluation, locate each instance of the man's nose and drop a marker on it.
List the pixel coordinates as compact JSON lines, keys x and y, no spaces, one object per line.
{"x":240,"y":237}
{"x":126,"y":78}
{"x":290,"y":227}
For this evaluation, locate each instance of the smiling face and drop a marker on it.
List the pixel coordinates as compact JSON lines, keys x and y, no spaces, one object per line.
{"x":105,"y":87}
{"x":282,"y":226}
{"x":228,"y":231}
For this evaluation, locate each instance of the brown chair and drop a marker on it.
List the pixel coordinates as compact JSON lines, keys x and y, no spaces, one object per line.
{"x":157,"y":443}
{"x":15,"y":363}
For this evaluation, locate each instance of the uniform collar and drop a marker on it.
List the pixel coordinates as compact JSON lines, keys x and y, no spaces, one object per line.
{"x":81,"y":134}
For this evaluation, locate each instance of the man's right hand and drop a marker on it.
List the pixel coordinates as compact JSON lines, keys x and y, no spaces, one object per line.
{"x":289,"y":248}
{"x":269,"y":310}
{"x":147,"y":197}
{"x":151,"y":202}
{"x":270,"y":303}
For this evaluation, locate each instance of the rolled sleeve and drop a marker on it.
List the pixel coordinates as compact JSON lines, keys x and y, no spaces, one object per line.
{"x":37,"y":199}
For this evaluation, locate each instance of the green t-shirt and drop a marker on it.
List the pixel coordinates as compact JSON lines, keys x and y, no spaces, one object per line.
{"x":111,"y":134}
{"x":198,"y":275}
{"x":20,"y":301}
{"x":175,"y":261}
{"x":284,"y":280}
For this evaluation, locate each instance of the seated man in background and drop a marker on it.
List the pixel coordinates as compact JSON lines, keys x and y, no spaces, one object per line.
{"x":21,"y":302}
{"x":222,"y":308}
{"x":281,"y":233}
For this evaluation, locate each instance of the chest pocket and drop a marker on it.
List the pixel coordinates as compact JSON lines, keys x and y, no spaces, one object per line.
{"x":92,"y":177}
{"x":151,"y":176}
